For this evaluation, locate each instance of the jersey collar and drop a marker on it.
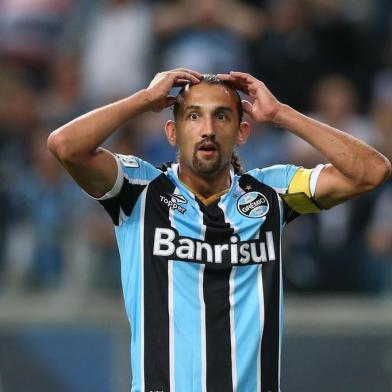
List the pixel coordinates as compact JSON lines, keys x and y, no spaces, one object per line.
{"x":205,"y":201}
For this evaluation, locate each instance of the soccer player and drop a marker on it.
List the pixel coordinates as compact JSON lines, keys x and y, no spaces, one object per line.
{"x":199,"y":240}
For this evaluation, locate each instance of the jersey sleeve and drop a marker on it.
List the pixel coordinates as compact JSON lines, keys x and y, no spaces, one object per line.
{"x":295,"y":185}
{"x":133,"y":175}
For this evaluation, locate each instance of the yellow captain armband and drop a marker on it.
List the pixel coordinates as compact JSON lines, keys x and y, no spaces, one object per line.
{"x":301,"y":203}
{"x":299,"y":194}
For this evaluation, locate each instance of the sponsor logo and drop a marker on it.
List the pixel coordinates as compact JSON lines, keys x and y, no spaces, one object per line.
{"x":177,"y":198}
{"x":168,"y":243}
{"x":253,"y":205}
{"x":173,"y":202}
{"x":128,"y":160}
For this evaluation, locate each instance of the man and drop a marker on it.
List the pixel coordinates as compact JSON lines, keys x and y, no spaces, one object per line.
{"x":199,"y":244}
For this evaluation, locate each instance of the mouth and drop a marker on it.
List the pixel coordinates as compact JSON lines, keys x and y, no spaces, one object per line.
{"x":207,"y":149}
{"x":207,"y":146}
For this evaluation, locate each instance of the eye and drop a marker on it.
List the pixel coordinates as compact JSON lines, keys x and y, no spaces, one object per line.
{"x":221,"y":116}
{"x":194,"y":116}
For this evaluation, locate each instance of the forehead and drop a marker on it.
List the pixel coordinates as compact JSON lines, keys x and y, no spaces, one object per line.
{"x":209,"y":95}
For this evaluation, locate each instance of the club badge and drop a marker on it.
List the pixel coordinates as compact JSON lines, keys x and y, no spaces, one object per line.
{"x":253,"y":205}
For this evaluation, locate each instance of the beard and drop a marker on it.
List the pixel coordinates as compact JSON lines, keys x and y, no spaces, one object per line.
{"x":207,"y":166}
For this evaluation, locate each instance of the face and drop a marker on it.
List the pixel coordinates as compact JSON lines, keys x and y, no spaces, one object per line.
{"x":207,"y":129}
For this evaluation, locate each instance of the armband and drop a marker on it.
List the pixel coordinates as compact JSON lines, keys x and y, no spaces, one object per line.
{"x":301,"y":203}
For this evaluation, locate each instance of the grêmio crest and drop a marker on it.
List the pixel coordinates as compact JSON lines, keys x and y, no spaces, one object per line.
{"x":253,"y":205}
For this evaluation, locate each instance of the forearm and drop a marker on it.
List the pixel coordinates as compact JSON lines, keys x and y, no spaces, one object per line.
{"x":83,"y":135}
{"x":357,"y":161}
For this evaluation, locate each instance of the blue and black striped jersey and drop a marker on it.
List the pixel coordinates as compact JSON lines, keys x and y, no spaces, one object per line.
{"x":203,"y":283}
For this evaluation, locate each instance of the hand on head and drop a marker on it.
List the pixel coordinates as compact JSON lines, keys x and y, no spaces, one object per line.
{"x":262,"y":106}
{"x":160,"y":87}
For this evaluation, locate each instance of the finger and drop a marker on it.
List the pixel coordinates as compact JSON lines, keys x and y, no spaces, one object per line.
{"x":246,"y":80}
{"x":237,"y":83}
{"x":170,"y":100}
{"x":240,"y":86}
{"x":189,"y":74}
{"x":180,"y":83}
{"x":225,"y":77}
{"x":242,"y":75}
{"x":186,"y":76}
{"x":198,"y":75}
{"x":235,"y":76}
{"x":247,"y":107}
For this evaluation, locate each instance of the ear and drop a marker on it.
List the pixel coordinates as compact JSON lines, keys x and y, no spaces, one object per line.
{"x":171,"y":134}
{"x":243,"y":133}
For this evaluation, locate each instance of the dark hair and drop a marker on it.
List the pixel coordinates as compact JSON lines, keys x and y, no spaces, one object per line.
{"x":212,"y":79}
{"x":236,"y":163}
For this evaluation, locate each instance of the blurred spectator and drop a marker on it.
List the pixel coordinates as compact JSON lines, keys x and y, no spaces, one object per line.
{"x":335,"y":101}
{"x":266,"y":146}
{"x":116,"y":54}
{"x":100,"y":254}
{"x":346,"y":44}
{"x":382,"y":79}
{"x":206,"y":35}
{"x":286,"y":54}
{"x":331,"y":247}
{"x":382,"y":18}
{"x":304,"y":40}
{"x":45,"y":204}
{"x":18,"y":116}
{"x":62,"y":100}
{"x":353,"y":10}
{"x":154,"y":146}
{"x":379,"y":231}
{"x":30,"y":32}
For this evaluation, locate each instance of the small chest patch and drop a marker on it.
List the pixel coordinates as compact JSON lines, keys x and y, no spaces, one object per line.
{"x":253,"y":205}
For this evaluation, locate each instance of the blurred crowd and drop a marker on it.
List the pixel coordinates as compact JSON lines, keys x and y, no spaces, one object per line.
{"x":331,"y":59}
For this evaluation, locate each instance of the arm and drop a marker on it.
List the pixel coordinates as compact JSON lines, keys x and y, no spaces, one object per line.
{"x":354,"y":167}
{"x":77,"y":144}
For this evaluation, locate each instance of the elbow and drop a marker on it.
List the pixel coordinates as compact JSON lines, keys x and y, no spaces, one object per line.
{"x":61,"y":147}
{"x":386,"y":170}
{"x":57,"y":145}
{"x":380,"y":173}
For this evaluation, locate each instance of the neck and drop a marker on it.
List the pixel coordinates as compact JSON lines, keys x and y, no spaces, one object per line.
{"x":205,"y":186}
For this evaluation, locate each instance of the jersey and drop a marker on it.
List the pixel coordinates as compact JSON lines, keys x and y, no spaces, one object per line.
{"x":202,"y":284}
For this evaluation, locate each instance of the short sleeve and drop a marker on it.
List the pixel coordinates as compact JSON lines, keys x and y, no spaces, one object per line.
{"x":134,"y":174}
{"x":278,"y":176}
{"x":295,"y":185}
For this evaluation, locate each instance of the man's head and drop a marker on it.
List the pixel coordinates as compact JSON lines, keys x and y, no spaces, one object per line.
{"x":211,"y":80}
{"x":207,"y":126}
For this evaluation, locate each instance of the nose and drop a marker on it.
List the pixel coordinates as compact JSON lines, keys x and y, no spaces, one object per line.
{"x":208,"y":130}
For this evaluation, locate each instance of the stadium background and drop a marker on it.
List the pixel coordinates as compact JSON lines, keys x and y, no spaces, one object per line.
{"x":62,"y":325}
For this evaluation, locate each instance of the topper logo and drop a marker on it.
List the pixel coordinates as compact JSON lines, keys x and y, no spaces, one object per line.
{"x":177,"y":198}
{"x":173,"y":202}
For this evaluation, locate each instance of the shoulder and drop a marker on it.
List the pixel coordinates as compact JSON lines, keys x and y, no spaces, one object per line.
{"x":136,"y":168}
{"x":277,"y":176}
